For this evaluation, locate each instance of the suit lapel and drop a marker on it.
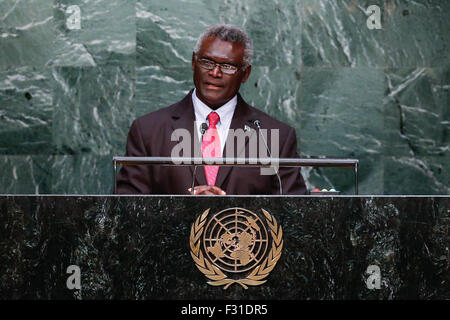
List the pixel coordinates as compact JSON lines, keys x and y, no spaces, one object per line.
{"x":184,"y":118}
{"x":242,"y":116}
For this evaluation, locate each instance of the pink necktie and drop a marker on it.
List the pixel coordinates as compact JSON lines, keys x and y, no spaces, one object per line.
{"x":211,"y":148}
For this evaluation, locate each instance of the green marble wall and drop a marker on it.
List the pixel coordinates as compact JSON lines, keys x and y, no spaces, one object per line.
{"x":67,"y":97}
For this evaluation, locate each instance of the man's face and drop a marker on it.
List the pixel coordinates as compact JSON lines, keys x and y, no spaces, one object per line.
{"x":214,"y":87}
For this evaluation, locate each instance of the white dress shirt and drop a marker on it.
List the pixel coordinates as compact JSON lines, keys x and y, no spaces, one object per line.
{"x":225,"y":113}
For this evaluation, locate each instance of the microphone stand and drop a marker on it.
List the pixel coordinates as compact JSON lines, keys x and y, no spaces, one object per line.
{"x":203,"y":129}
{"x":258,"y":124}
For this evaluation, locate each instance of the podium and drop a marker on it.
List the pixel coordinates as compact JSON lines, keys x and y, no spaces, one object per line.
{"x":273,"y":163}
{"x":138,"y":247}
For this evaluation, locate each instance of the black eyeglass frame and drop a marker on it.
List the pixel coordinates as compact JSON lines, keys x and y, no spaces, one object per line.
{"x":203,"y":63}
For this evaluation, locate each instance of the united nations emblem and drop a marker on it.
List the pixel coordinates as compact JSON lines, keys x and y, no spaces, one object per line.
{"x":236,"y":246}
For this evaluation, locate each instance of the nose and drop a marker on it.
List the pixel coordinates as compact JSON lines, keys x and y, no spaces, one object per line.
{"x":216,"y":72}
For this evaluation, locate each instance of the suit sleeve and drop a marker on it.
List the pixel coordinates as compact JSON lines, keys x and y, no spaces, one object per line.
{"x":135,"y":179}
{"x":291,"y":178}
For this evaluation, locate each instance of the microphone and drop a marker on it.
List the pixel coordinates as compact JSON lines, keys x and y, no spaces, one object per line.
{"x":203,"y":129}
{"x":257,"y":123}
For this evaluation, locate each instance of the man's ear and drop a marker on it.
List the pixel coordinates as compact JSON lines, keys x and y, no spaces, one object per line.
{"x":247,"y":72}
{"x":193,"y":60}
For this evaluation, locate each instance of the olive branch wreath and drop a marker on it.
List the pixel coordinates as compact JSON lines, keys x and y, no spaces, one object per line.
{"x":219,"y":278}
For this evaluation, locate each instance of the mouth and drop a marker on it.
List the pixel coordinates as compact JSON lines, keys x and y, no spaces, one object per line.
{"x":213,"y":86}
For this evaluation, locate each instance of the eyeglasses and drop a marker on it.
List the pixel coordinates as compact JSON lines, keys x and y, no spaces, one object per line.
{"x":224,"y":67}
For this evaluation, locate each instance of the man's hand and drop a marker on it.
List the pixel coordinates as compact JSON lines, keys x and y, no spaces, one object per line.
{"x":207,"y":190}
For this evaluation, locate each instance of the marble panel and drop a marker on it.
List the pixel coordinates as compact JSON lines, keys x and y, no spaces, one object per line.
{"x":25,"y":174}
{"x":416,"y":106}
{"x":417,"y":174}
{"x":158,"y":87}
{"x":26,"y":33}
{"x":335,"y":34}
{"x":417,"y":33}
{"x":26,"y":111}
{"x":107,"y":33}
{"x":82,"y":174}
{"x":94,"y":108}
{"x":342,"y":117}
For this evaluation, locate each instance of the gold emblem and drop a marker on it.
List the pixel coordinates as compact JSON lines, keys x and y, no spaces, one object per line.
{"x":235,"y":246}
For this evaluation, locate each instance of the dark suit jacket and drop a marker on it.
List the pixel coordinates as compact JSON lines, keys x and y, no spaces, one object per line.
{"x":150,"y":135}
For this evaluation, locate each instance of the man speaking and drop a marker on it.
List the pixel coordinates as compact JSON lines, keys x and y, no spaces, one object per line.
{"x":214,"y":116}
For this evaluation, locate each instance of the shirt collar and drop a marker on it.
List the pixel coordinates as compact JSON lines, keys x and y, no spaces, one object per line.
{"x":225,"y":112}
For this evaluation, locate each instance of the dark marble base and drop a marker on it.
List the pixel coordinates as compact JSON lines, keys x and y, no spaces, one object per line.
{"x":138,"y":247}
